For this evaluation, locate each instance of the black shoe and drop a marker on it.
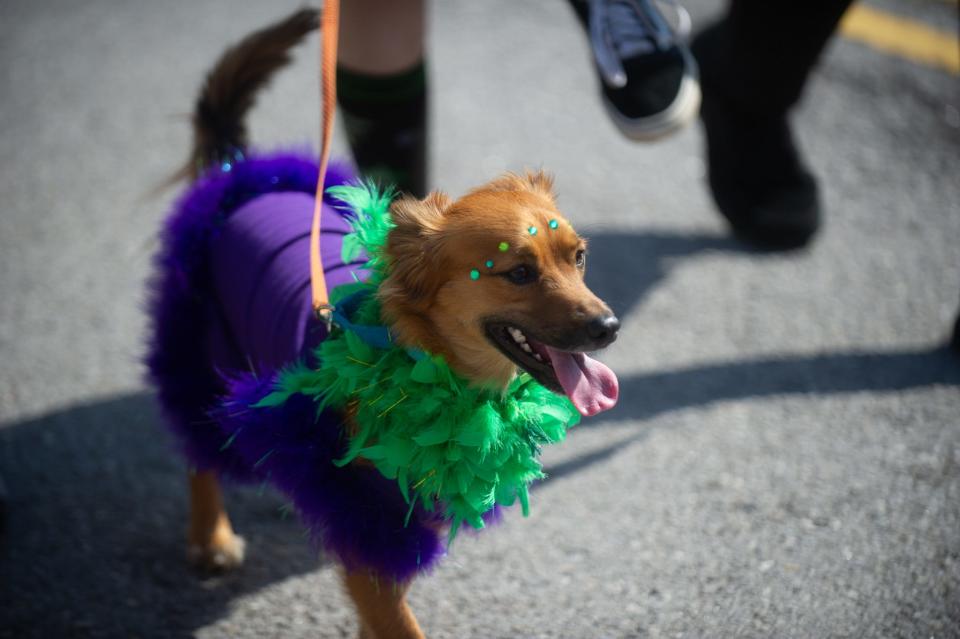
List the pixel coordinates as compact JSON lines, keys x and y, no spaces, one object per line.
{"x":756,"y":174}
{"x":648,"y":76}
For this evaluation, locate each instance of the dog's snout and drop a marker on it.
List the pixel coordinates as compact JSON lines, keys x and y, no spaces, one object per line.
{"x":602,"y":329}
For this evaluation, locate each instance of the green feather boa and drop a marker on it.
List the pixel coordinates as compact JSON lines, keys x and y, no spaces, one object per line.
{"x":448,"y":444}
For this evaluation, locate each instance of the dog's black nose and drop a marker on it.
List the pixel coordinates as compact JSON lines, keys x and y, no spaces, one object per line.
{"x":603,"y":328}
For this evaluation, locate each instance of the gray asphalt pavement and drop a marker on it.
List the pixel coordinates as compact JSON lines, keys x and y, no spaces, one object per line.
{"x":785,"y":461}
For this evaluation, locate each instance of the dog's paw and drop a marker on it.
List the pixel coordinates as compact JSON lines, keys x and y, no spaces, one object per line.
{"x":218,"y":556}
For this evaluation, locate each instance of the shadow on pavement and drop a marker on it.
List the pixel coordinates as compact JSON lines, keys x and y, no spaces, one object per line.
{"x":623,"y":267}
{"x":647,"y":395}
{"x":94,"y":542}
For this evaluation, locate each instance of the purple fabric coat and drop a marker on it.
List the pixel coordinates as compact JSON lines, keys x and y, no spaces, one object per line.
{"x":230,"y":306}
{"x":259,"y":268}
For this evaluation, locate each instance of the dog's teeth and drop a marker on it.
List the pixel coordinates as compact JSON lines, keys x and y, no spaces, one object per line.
{"x":526,"y":347}
{"x":537,"y":357}
{"x":517,"y":335}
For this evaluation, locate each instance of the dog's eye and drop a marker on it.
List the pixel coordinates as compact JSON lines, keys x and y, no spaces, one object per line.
{"x":522,"y":274}
{"x":581,"y":258}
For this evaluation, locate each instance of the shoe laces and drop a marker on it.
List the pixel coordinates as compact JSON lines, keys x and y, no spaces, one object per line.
{"x":623,"y":29}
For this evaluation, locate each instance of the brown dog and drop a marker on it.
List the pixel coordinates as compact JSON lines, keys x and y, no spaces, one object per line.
{"x":531,"y":309}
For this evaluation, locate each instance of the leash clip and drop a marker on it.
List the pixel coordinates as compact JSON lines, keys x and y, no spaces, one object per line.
{"x":324,"y":313}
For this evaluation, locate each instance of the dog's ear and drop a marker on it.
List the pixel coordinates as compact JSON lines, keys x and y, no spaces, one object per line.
{"x":419,"y":217}
{"x":538,"y":182}
{"x":412,"y":246}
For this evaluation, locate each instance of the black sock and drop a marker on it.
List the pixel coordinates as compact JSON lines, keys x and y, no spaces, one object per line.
{"x":385,"y":117}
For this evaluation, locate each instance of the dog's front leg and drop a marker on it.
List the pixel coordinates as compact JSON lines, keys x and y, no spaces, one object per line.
{"x":382,"y":606}
{"x":212,"y":544}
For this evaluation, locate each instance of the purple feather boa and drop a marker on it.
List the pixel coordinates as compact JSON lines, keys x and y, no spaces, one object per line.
{"x":356,"y":513}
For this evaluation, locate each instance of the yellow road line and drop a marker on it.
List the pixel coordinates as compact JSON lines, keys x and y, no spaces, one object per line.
{"x":901,"y":36}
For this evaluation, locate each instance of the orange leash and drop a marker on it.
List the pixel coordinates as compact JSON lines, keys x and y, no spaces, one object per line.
{"x":329,"y":31}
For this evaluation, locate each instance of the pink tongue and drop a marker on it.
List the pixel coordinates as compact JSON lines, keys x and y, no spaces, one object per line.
{"x":591,"y":386}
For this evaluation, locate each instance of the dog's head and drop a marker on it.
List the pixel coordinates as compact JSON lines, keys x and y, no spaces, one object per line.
{"x":494,"y":281}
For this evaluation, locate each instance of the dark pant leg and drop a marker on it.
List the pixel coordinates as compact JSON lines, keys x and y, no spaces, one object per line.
{"x":764,"y":51}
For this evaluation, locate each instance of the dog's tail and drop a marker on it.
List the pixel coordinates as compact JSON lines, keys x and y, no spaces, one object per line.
{"x":230,"y":89}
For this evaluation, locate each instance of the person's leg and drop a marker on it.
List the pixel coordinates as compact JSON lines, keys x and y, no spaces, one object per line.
{"x":754,"y":65}
{"x":382,"y":90}
{"x":761,"y":53}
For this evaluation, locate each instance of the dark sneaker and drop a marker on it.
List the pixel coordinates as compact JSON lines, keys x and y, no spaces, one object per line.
{"x":648,"y":76}
{"x":757,"y":177}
